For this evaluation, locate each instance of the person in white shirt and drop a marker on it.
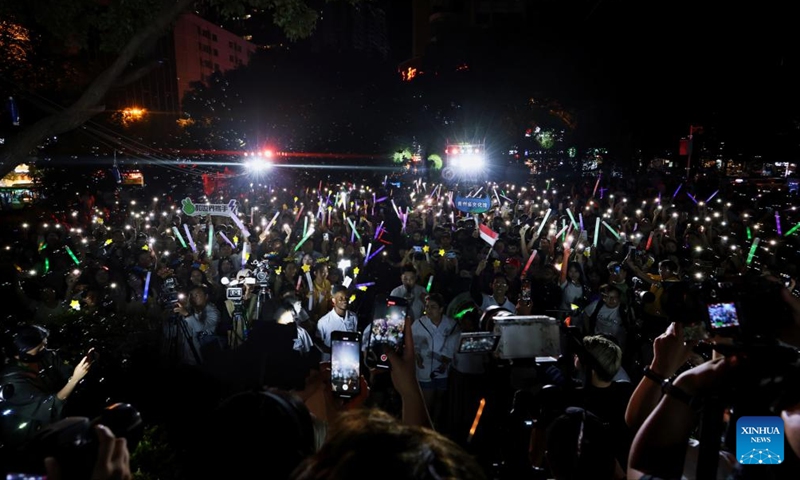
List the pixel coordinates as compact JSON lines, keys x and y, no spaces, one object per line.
{"x":413,"y":293}
{"x":606,"y":316}
{"x":338,"y":319}
{"x":436,"y":338}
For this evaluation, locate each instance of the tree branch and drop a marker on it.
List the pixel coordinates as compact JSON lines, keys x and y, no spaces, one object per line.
{"x":88,"y":105}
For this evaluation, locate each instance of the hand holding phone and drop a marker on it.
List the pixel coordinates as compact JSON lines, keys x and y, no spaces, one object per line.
{"x":345,"y":364}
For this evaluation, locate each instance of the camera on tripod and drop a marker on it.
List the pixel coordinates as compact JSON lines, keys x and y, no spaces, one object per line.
{"x":170,"y":293}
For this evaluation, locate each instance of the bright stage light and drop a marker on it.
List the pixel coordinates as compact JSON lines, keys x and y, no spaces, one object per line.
{"x":469,"y":162}
{"x":257,"y":164}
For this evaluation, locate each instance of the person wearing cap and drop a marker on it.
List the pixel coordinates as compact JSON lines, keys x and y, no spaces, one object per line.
{"x":36,"y":384}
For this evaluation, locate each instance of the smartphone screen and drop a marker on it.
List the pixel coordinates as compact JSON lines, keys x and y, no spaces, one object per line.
{"x":345,"y":363}
{"x":387,"y":332}
{"x":478,"y":342}
{"x":722,"y":315}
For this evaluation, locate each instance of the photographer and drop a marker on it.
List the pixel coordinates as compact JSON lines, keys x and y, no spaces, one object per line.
{"x":756,"y":376}
{"x":41,"y":381}
{"x":201,"y":319}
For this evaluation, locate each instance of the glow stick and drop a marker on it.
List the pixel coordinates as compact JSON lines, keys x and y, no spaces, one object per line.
{"x":676,"y":191}
{"x":373,"y":255}
{"x":794,"y":229}
{"x":611,"y":229}
{"x":180,"y":237}
{"x":430,"y":282}
{"x":649,"y":240}
{"x":749,"y":233}
{"x":210,"y":238}
{"x":378,"y":231}
{"x":369,"y":249}
{"x":693,"y":199}
{"x":245,"y":253}
{"x":225,"y":237}
{"x":528,"y":264}
{"x":563,"y":229}
{"x":580,"y":217}
{"x":299,"y":212}
{"x":364,"y":285}
{"x":305,"y":226}
{"x":189,"y":236}
{"x":310,"y":290}
{"x":712,"y":196}
{"x":596,"y":231}
{"x":544,"y":221}
{"x":241,"y":226}
{"x":74,"y":258}
{"x":572,"y":218}
{"x":272,"y":222}
{"x":778,"y":222}
{"x":477,"y":420}
{"x":753,"y":250}
{"x":46,"y":264}
{"x":303,"y":240}
{"x":596,"y":184}
{"x":146,"y":287}
{"x":353,"y":227}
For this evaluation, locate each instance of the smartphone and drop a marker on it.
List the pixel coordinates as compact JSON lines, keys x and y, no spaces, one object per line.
{"x":326,"y":236}
{"x":478,"y":342}
{"x":723,"y":315}
{"x":345,"y":363}
{"x":387,"y":331}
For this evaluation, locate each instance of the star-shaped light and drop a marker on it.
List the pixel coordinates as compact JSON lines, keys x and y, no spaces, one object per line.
{"x":356,"y":270}
{"x":441,"y":252}
{"x":75,"y":305}
{"x":306,"y":268}
{"x":426,"y":249}
{"x":352,"y":298}
{"x":363,"y":288}
{"x":278,"y":271}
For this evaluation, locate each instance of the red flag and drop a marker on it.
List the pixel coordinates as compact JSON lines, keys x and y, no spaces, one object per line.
{"x":488,"y":235}
{"x":683,"y":148}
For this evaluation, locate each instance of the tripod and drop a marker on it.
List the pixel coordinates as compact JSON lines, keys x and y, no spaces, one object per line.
{"x":239,"y":328}
{"x":176,"y":328}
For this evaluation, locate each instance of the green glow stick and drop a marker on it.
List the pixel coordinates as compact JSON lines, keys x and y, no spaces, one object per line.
{"x":430,"y":282}
{"x":752,"y":250}
{"x":308,"y":235}
{"x":180,"y":237}
{"x":572,"y":217}
{"x":74,"y":258}
{"x":210,"y":238}
{"x":794,"y":229}
{"x":596,"y":231}
{"x":749,"y":235}
{"x":46,"y":265}
{"x":611,"y":229}
{"x":463,"y":312}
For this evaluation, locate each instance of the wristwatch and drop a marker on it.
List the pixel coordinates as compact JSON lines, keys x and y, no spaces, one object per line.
{"x":648,"y":373}
{"x":693,"y":401}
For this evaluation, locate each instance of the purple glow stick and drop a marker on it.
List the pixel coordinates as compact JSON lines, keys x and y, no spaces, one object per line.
{"x":693,"y":199}
{"x":227,"y":240}
{"x":778,"y":223}
{"x":381,"y":199}
{"x":378,"y":231}
{"x":374,"y":253}
{"x":676,"y":191}
{"x":189,"y":236}
{"x":712,"y":196}
{"x":580,"y":218}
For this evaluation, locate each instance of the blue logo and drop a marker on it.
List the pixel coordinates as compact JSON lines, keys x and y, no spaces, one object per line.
{"x":759,"y":440}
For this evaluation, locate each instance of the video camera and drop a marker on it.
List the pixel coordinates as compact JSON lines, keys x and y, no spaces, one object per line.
{"x":73,"y":442}
{"x":170,"y":293}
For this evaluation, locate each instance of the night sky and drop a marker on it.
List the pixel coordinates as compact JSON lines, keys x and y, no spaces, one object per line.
{"x":648,"y":71}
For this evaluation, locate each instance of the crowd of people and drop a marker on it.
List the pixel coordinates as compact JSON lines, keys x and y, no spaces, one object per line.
{"x":235,"y":312}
